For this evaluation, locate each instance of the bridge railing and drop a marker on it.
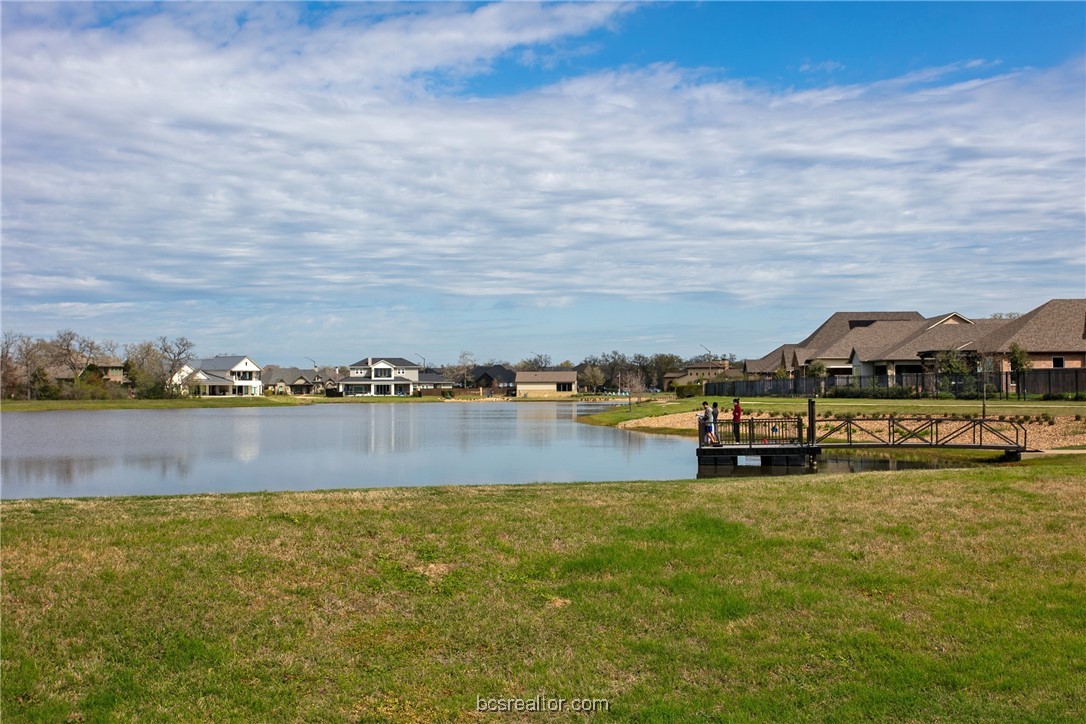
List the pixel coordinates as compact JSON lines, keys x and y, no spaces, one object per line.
{"x":921,"y":431}
{"x":757,"y":431}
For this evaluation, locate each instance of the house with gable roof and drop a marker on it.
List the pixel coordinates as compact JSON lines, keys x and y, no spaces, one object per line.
{"x":832,"y":344}
{"x":548,"y":383}
{"x":381,"y":376}
{"x":495,"y":377}
{"x":295,"y":380}
{"x":894,"y":343}
{"x":1054,"y":335}
{"x":913,"y":350}
{"x":222,"y":376}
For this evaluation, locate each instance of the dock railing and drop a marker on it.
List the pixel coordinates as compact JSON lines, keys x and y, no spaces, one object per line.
{"x":757,"y":431}
{"x":922,"y":432}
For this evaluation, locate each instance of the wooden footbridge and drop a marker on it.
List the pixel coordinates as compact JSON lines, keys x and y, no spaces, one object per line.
{"x":793,"y":441}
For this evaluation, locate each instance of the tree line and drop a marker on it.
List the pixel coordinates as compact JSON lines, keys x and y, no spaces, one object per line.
{"x":611,"y":370}
{"x":70,"y":366}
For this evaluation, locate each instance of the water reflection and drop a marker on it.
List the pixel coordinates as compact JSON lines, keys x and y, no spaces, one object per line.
{"x":132,"y":452}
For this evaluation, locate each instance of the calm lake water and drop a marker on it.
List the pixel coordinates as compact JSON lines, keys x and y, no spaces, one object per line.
{"x":167,"y":452}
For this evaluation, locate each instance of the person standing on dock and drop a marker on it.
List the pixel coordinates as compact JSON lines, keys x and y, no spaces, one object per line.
{"x":737,"y":416}
{"x":708,"y":420}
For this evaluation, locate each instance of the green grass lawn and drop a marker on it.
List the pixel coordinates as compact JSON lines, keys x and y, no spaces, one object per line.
{"x":922,"y":595}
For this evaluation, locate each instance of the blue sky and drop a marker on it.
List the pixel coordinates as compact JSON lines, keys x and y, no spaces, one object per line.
{"x":295,"y":181}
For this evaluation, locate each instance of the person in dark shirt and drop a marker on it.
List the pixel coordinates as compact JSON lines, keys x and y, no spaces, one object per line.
{"x":737,"y":416}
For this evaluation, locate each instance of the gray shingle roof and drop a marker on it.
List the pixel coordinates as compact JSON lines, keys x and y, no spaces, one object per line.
{"x":840,"y":324}
{"x":938,"y":334}
{"x":219,"y":364}
{"x":1058,"y":325}
{"x":394,"y":361}
{"x":782,"y":356}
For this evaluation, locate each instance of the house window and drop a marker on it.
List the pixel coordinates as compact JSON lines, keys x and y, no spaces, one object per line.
{"x":382,"y":389}
{"x":383,"y":372}
{"x":1057,"y":363}
{"x":565,"y":387}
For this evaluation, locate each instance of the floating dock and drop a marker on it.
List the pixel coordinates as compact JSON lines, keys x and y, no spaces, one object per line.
{"x":724,"y":458}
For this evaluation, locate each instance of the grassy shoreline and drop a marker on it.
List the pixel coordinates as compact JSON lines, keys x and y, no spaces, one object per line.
{"x":793,"y":407}
{"x":921,"y":595}
{"x":188,"y":403}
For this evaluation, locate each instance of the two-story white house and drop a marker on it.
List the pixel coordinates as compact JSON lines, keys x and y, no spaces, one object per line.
{"x":223,"y":376}
{"x":381,"y":376}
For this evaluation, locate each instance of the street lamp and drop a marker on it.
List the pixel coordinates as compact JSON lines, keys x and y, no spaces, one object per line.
{"x":423,"y":361}
{"x":710,"y":361}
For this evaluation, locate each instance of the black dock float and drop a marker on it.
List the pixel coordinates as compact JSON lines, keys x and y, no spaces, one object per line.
{"x":726,"y":457}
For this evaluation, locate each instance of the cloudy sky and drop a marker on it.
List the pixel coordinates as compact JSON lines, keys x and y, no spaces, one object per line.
{"x":331,"y":181}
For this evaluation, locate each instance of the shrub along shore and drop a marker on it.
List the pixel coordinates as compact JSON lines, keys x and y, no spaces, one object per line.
{"x":918,"y":595}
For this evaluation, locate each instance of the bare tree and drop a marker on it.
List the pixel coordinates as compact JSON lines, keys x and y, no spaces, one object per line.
{"x":536,"y":363}
{"x":144,"y":366}
{"x":9,"y":380}
{"x":29,"y":358}
{"x":460,"y":373}
{"x":175,"y":354}
{"x":72,"y":351}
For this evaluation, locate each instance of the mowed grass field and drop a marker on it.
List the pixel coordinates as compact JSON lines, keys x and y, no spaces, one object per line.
{"x":921,"y":595}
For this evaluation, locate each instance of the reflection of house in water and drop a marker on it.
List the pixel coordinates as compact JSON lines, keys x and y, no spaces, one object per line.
{"x":246,"y":436}
{"x":72,"y":470}
{"x":385,"y":428}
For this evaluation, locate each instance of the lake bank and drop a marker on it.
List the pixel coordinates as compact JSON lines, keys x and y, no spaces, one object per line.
{"x":1050,"y":425}
{"x":281,"y":401}
{"x":920,"y":595}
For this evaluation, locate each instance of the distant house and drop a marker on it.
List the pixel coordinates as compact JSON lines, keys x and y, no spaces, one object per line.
{"x":111,"y":369}
{"x":381,"y":376}
{"x":223,"y":376}
{"x":495,"y":377}
{"x":431,"y":380}
{"x":556,"y":383}
{"x":295,"y":380}
{"x":696,"y":373}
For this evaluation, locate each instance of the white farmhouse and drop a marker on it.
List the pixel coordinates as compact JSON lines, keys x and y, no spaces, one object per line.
{"x":381,"y":376}
{"x":224,"y":376}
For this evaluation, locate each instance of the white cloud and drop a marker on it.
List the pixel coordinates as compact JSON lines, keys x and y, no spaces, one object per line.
{"x":826,"y":66}
{"x":187,"y":156}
